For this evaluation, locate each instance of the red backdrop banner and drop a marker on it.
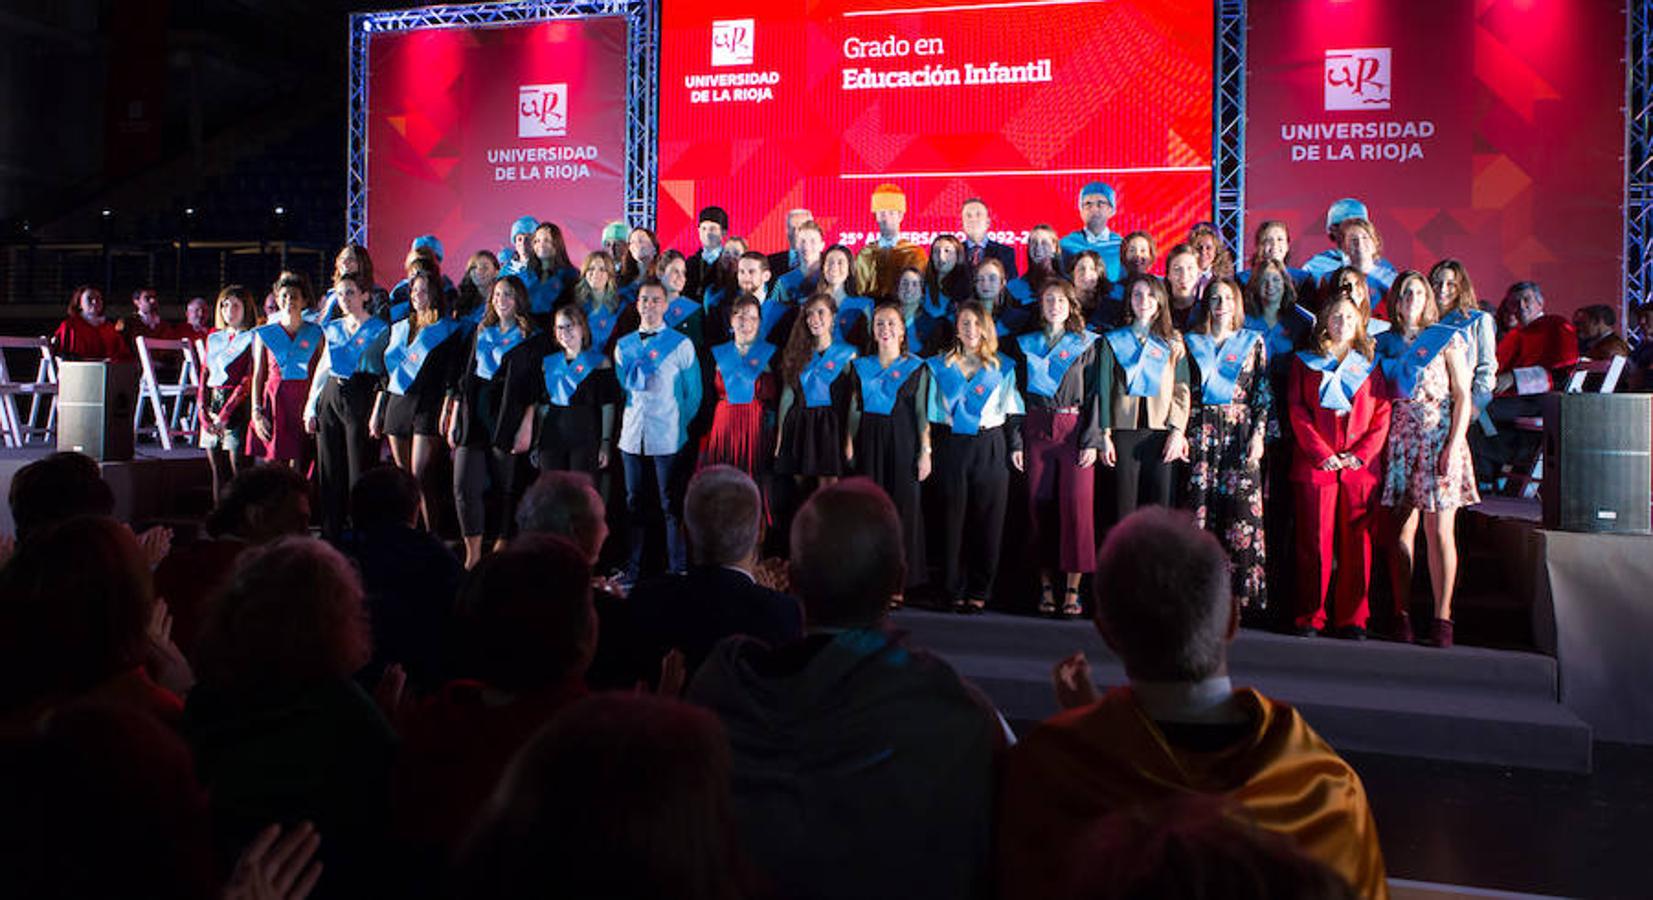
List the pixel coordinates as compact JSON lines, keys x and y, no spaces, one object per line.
{"x":1491,"y":131}
{"x":470,"y":128}
{"x":767,"y":105}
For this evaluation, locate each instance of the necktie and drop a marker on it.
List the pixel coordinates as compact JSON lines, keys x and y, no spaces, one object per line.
{"x":975,"y":255}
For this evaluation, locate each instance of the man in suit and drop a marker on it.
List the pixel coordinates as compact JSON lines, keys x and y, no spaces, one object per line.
{"x":702,"y":271}
{"x":784,"y":261}
{"x":718,"y":596}
{"x":973,"y":216}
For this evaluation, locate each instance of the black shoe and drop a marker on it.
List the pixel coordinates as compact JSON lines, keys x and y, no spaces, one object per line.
{"x":1304,"y":631}
{"x":1352,"y":633}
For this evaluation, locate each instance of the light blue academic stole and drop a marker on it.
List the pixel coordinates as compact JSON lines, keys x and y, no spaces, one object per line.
{"x":791,"y":282}
{"x":563,"y":376}
{"x":1402,"y":363}
{"x":1277,"y":338}
{"x":1220,"y":366}
{"x":404,"y":359}
{"x":639,"y":359}
{"x":492,"y":343}
{"x":1048,"y":365}
{"x":222,"y":350}
{"x":852,"y":309}
{"x":1019,"y":290}
{"x":821,"y":371}
{"x":880,"y":387}
{"x":292,"y":352}
{"x":680,"y":310}
{"x":770,"y":312}
{"x":938,"y":307}
{"x":601,"y":322}
{"x":1461,"y":320}
{"x":740,"y":373}
{"x":1144,"y":362}
{"x":1339,"y":382}
{"x":966,"y":398}
{"x":543,"y":294}
{"x":345,"y":349}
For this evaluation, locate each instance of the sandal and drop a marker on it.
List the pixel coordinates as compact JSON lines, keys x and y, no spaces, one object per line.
{"x":1047,"y":600}
{"x":895,"y":602}
{"x":1071,"y":607}
{"x":975,"y":605}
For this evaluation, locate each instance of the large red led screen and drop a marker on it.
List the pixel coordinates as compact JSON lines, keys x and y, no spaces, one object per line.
{"x":1490,"y":131}
{"x":470,"y":128}
{"x":768,"y":105}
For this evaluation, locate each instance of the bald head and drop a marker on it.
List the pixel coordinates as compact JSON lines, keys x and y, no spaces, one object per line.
{"x":846,"y":554}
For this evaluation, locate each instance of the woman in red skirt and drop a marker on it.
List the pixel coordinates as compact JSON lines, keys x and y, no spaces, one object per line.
{"x":744,"y":383}
{"x":1060,"y":436}
{"x":285,"y":352}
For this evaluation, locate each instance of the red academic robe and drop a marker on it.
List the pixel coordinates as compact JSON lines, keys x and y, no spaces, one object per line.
{"x":1335,"y":510}
{"x":77,"y":338}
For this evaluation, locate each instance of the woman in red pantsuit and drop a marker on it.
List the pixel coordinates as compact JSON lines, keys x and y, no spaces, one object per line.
{"x":1340,"y":418}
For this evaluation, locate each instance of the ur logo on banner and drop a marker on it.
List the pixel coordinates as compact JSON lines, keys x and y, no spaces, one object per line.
{"x":542,"y":110}
{"x":732,"y":41}
{"x":1358,"y":79}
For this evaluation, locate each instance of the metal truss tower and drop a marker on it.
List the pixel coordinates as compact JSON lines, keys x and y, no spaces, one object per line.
{"x":1228,"y":125}
{"x":1638,"y":156}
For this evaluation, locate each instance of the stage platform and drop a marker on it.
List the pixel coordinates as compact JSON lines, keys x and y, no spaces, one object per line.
{"x":1468,"y":704}
{"x":154,"y":487}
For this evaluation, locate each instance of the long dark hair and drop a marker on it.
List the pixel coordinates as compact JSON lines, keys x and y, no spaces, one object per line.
{"x":800,"y":344}
{"x":1255,"y":302}
{"x":490,"y":316}
{"x":1162,"y":326}
{"x":559,"y":252}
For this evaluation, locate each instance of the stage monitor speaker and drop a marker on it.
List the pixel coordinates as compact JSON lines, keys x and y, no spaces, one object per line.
{"x":94,"y":408}
{"x":1597,"y":454}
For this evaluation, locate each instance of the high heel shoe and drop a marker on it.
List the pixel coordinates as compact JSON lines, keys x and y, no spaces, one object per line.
{"x":1047,"y":600}
{"x":1071,"y":607}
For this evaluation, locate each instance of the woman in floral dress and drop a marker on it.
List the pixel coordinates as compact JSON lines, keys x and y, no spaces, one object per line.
{"x":1225,"y":438}
{"x":1429,"y":473}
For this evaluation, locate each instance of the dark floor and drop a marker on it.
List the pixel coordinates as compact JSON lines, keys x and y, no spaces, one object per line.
{"x":1517,"y":829}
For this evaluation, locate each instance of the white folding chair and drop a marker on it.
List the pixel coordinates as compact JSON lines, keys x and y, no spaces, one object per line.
{"x":17,"y":430}
{"x":151,"y":389}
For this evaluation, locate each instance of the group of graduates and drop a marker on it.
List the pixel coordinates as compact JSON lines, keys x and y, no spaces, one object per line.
{"x":1302,"y":413}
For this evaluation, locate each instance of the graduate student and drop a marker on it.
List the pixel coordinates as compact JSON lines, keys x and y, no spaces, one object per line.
{"x":340,"y":405}
{"x":659,"y":375}
{"x":1143,"y":384}
{"x":285,"y":351}
{"x":1428,"y":473}
{"x":890,"y":428}
{"x":1339,"y":413}
{"x":424,"y":357}
{"x":1060,"y":436}
{"x":224,"y":407}
{"x":973,"y":398}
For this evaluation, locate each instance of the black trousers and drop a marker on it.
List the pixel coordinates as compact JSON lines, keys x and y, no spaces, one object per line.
{"x":1141,"y":477}
{"x":477,"y":473}
{"x":974,"y":481}
{"x":343,"y":448}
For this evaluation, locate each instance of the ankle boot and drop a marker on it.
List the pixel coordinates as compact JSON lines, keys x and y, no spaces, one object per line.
{"x":1403,"y":628}
{"x":1443,"y":633}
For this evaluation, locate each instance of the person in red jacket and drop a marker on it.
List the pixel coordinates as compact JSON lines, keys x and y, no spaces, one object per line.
{"x":1533,"y":358}
{"x":1340,"y":419}
{"x":86,"y":333}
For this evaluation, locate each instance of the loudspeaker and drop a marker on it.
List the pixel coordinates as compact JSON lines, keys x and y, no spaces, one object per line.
{"x":94,"y":408}
{"x":1597,"y":454}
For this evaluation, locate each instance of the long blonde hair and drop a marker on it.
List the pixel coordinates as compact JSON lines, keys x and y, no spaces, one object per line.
{"x":988,"y":350}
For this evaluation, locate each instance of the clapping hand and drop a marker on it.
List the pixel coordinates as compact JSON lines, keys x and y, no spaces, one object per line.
{"x":1072,"y":678}
{"x":277,"y":866}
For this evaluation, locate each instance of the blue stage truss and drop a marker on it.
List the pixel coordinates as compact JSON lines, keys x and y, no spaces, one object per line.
{"x":642,"y":95}
{"x":1638,"y":162}
{"x":1228,"y":125}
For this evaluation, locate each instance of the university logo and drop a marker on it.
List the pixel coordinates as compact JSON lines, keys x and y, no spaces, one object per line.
{"x":732,"y":42}
{"x":1358,"y":78}
{"x":542,"y":110}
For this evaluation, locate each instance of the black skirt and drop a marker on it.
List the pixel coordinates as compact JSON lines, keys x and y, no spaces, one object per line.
{"x":413,"y":414}
{"x":886,"y":451}
{"x":812,"y":441}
